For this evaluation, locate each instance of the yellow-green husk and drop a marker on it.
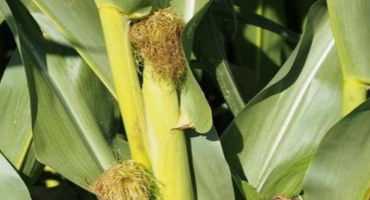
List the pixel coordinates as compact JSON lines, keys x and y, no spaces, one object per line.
{"x":150,"y":115}
{"x":158,"y":39}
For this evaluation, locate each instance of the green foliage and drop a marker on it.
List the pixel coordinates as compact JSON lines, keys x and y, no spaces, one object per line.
{"x":282,"y":126}
{"x":265,"y":94}
{"x":340,"y":168}
{"x":11,"y":185}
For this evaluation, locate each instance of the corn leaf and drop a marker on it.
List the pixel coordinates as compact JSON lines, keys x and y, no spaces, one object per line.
{"x":11,"y":185}
{"x":273,"y":139}
{"x":15,"y":123}
{"x":345,"y":17}
{"x":79,"y":23}
{"x":193,"y":103}
{"x":212,"y":175}
{"x":210,"y":51}
{"x":341,"y":166}
{"x":65,"y":100}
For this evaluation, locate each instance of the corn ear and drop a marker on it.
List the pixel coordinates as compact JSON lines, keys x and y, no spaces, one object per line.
{"x":167,"y":145}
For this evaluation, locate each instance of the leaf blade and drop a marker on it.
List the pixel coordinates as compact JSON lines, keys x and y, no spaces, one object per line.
{"x":340,"y":169}
{"x":11,"y":185}
{"x":276,"y":128}
{"x":66,"y":134}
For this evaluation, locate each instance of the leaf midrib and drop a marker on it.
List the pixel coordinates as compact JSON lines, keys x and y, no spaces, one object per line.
{"x":285,"y":124}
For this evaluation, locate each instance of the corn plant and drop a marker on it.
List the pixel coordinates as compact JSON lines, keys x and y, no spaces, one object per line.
{"x":184,"y":99}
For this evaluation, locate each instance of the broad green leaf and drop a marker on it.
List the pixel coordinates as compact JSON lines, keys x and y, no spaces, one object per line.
{"x":212,"y":175}
{"x":15,"y":122}
{"x":79,"y":23}
{"x":341,"y":166}
{"x":103,"y":113}
{"x":194,"y":105}
{"x":279,"y":130}
{"x":352,"y":36}
{"x":11,"y":185}
{"x":65,"y":96}
{"x":353,"y":39}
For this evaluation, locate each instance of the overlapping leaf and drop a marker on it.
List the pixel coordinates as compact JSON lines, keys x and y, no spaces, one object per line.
{"x":11,"y":185}
{"x":352,"y":36}
{"x":212,"y":175}
{"x":15,"y":123}
{"x":341,"y":167}
{"x":67,"y":102}
{"x":194,"y":105}
{"x":210,"y":51}
{"x":79,"y":23}
{"x":273,"y":139}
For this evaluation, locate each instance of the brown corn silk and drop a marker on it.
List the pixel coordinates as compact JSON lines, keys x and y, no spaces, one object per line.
{"x":128,"y":180}
{"x":158,"y":40}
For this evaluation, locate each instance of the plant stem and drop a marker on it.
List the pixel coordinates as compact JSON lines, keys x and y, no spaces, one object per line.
{"x":115,"y":27}
{"x":167,"y":146}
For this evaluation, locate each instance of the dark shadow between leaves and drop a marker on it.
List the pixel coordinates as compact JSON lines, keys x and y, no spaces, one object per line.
{"x":293,"y":72}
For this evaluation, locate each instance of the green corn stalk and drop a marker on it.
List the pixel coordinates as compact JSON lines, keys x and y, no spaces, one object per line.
{"x":115,"y":23}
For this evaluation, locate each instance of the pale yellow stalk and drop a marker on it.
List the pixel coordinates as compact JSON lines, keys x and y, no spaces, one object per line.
{"x":115,"y":27}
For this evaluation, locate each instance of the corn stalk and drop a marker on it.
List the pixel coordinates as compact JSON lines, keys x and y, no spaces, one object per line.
{"x":115,"y":27}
